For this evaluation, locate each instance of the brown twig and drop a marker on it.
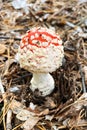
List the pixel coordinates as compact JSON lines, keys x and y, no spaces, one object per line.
{"x":5,"y":37}
{"x":83,"y":79}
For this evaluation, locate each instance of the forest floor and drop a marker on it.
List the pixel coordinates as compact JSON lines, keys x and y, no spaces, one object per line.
{"x":66,"y":107}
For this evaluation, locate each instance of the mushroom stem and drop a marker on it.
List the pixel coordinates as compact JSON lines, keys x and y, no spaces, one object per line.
{"x":44,"y":82}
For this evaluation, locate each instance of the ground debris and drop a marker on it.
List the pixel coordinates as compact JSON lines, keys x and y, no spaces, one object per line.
{"x":66,"y":107}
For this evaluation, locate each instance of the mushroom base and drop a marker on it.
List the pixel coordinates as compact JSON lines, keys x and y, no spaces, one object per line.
{"x":44,"y":82}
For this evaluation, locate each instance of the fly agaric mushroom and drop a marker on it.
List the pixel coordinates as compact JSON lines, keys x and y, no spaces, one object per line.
{"x":41,"y":52}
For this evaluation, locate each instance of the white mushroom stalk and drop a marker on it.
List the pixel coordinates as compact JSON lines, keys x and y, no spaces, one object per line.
{"x":41,"y":52}
{"x":44,"y":82}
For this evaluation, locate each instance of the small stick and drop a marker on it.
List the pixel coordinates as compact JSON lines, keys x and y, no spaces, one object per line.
{"x":77,"y":28}
{"x":1,"y":87}
{"x":5,"y":101}
{"x":9,"y":113}
{"x":69,"y":49}
{"x":5,"y":37}
{"x":83,"y":80}
{"x":84,"y":89}
{"x":8,"y":121}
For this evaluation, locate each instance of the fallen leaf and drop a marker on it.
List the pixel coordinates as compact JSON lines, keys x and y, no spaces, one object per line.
{"x":2,"y":48}
{"x":18,"y":4}
{"x":7,"y":65}
{"x":16,"y":106}
{"x":44,"y":112}
{"x":23,"y":115}
{"x":82,"y":1}
{"x":30,"y":123}
{"x":50,"y":103}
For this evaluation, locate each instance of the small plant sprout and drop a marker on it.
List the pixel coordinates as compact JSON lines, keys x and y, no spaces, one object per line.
{"x":41,"y":52}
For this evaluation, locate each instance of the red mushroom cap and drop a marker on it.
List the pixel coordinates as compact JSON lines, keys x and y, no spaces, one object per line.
{"x":40,"y":38}
{"x":40,"y":50}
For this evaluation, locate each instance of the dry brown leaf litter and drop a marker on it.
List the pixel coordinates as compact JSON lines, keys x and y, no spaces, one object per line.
{"x":64,"y":109}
